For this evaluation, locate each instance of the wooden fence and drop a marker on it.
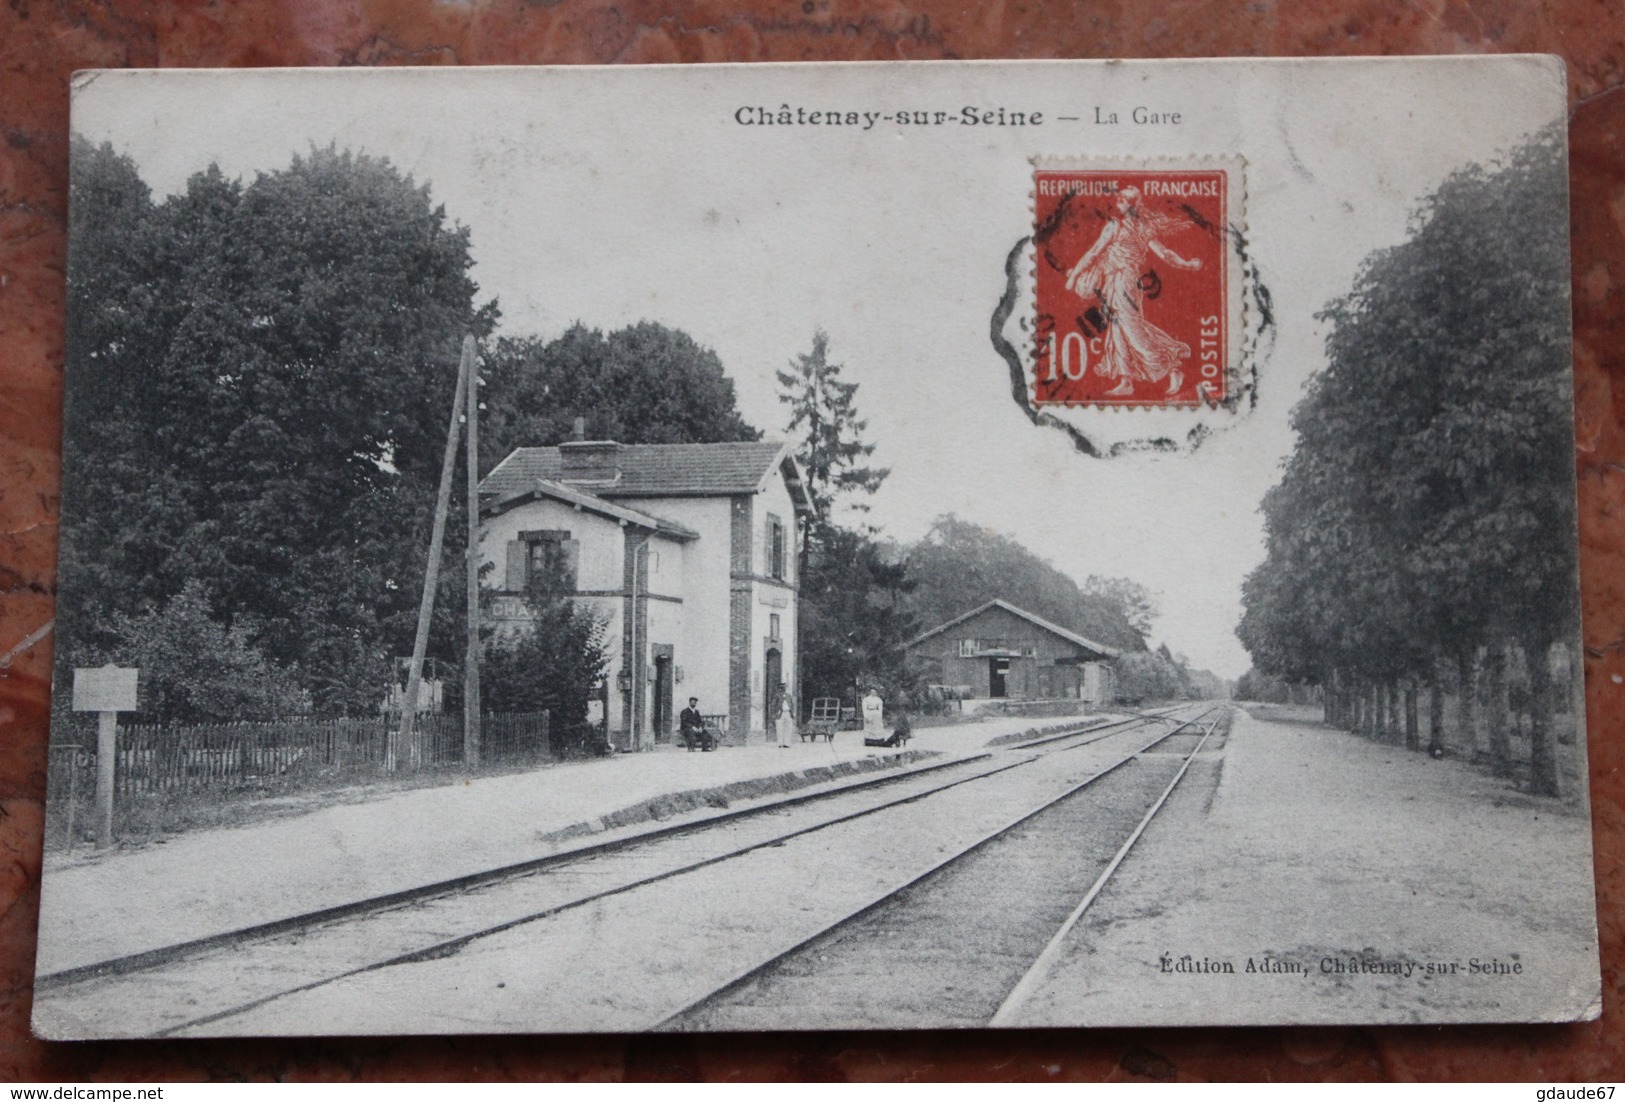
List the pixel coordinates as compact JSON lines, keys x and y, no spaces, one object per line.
{"x":266,"y":758}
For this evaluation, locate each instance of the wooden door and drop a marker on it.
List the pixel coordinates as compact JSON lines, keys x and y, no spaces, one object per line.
{"x":661,"y":713}
{"x":772,"y":674}
{"x":998,"y":672}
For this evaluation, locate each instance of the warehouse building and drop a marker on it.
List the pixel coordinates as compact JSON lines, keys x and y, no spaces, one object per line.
{"x":1001,"y":652}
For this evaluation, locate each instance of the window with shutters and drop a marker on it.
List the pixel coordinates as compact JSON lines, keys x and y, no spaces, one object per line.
{"x":543,"y":561}
{"x":775,"y":546}
{"x":546,"y":559}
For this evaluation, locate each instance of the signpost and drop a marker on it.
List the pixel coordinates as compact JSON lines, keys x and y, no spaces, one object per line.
{"x":107,"y":690}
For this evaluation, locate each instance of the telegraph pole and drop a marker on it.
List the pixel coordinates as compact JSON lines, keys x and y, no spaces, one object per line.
{"x":471,"y":652}
{"x":406,"y":737}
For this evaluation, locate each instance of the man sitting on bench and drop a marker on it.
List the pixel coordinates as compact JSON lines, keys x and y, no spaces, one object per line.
{"x":696,"y":736}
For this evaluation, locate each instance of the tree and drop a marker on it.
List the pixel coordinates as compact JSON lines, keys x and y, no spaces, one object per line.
{"x":1427,"y":511}
{"x":1133,"y":602}
{"x":823,"y":417}
{"x":646,"y":384}
{"x":258,"y":389}
{"x":194,"y":670}
{"x":853,"y":619}
{"x":1206,"y":685}
{"x":553,"y":663}
{"x":113,"y":287}
{"x":853,"y":623}
{"x":1149,"y":676}
{"x":1268,"y":689}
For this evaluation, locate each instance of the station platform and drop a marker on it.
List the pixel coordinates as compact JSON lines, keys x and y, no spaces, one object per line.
{"x":100,"y":904}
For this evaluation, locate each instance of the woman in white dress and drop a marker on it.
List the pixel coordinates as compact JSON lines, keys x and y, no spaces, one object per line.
{"x":781,"y":721}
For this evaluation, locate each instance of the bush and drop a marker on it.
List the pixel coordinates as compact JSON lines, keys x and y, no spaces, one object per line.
{"x":197,"y":670}
{"x":556,"y":663}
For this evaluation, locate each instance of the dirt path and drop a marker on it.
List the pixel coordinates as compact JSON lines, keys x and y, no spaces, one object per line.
{"x":1359,"y":864}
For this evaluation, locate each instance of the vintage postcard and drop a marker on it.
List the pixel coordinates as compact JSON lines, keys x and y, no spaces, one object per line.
{"x":803,"y":547}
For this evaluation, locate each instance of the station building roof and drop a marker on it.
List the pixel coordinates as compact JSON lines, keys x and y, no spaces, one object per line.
{"x":1037,"y":621}
{"x":591,"y":503}
{"x":610,"y":470}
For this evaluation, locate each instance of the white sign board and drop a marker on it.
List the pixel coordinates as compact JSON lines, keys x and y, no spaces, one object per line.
{"x":105,"y":689}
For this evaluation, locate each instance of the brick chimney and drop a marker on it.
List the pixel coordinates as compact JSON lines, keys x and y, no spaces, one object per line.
{"x":589,"y":460}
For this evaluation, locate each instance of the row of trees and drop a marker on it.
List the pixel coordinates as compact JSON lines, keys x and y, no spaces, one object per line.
{"x":1422,"y":534}
{"x":1267,"y":688}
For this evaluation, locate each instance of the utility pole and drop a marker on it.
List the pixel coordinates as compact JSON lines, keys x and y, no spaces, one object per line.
{"x":406,"y":740}
{"x":471,"y":652}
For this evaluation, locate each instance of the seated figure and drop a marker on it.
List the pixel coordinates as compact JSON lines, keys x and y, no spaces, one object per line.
{"x":902,"y":731}
{"x":696,"y":735}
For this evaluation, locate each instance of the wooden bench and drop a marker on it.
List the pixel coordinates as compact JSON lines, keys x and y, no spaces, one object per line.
{"x":715,"y":727}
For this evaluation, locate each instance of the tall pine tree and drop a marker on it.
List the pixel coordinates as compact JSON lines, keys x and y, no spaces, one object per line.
{"x":823,"y":416}
{"x":853,"y":623}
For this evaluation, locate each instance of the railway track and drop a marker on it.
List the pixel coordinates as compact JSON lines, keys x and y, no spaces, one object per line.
{"x":227,"y":984}
{"x":901,"y":957}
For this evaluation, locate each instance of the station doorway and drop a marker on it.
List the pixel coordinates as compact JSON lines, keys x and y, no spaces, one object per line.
{"x":660,"y":711}
{"x":772,"y":677}
{"x":998,"y":673}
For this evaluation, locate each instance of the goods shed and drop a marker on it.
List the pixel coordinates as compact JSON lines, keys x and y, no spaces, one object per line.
{"x":998,"y":651}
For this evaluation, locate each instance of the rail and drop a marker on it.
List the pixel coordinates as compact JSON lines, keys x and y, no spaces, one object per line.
{"x":165,"y":956}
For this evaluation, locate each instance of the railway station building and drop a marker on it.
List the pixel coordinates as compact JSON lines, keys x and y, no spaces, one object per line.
{"x":687,"y":552}
{"x":1000,"y":652}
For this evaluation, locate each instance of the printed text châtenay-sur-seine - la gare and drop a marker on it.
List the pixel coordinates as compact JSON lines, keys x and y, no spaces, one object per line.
{"x":968,"y":115}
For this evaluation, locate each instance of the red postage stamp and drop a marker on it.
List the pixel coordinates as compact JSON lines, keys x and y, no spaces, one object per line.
{"x":1134,"y":284}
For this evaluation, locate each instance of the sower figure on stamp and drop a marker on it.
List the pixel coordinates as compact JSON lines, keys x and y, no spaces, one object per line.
{"x":1109,"y":273}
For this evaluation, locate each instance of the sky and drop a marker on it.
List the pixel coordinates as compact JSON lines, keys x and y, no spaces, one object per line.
{"x":609,"y":196}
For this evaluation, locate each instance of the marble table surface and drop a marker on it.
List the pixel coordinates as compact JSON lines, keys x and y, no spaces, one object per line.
{"x":41,"y":43}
